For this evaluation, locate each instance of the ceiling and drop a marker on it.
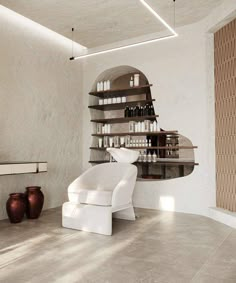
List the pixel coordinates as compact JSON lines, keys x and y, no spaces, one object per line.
{"x":100,"y":22}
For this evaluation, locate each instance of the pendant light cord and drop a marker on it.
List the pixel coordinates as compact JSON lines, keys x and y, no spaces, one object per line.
{"x":72,"y":44}
{"x":174,"y":13}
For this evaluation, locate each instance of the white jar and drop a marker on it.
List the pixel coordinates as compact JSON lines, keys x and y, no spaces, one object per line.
{"x":105,"y":129}
{"x":98,"y":86}
{"x":108,"y":128}
{"x":118,"y":99}
{"x":100,"y":101}
{"x":105,"y":85}
{"x":99,"y":142}
{"x":154,"y":157}
{"x":131,"y":126}
{"x":136,"y":79}
{"x":101,"y":86}
{"x":108,"y":85}
{"x":123,"y":99}
{"x":142,"y":127}
{"x":139,"y":127}
{"x":151,"y":127}
{"x":154,"y":126}
{"x":109,"y":101}
{"x":105,"y":101}
{"x":131,"y":82}
{"x":99,"y":128}
{"x":114,"y":100}
{"x":111,"y":142}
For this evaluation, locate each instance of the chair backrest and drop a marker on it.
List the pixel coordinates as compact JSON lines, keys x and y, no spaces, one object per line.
{"x":107,"y":176}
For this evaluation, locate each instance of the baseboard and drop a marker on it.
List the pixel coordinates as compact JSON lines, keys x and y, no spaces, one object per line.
{"x":224,"y":216}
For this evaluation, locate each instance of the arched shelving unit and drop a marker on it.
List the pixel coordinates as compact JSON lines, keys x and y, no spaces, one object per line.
{"x":175,"y":153}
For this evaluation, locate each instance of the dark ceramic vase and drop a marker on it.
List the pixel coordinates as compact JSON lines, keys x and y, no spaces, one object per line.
{"x":16,"y":207}
{"x":35,"y":200}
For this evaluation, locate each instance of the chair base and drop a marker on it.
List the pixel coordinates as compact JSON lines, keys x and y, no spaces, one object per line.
{"x":92,"y":218}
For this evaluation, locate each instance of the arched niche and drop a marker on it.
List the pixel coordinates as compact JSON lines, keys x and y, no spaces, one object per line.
{"x":175,"y":152}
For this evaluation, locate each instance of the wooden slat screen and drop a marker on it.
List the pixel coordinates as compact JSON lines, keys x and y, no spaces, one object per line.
{"x":225,"y":116}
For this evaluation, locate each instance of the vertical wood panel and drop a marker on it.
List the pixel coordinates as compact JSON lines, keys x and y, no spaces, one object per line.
{"x":225,"y":111}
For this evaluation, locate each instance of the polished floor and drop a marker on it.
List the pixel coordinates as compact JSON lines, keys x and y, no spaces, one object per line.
{"x":158,"y":247}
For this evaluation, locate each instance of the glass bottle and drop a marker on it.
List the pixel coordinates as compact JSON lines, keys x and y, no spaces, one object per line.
{"x":146,"y":110}
{"x":144,"y":156}
{"x":152,"y":112}
{"x":136,"y":111}
{"x":154,"y":157}
{"x":141,"y":111}
{"x":126,"y":111}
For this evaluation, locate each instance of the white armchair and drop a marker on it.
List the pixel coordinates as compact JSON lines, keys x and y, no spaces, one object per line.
{"x":101,"y":192}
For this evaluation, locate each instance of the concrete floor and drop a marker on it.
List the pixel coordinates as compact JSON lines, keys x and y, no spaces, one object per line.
{"x":157,"y":247}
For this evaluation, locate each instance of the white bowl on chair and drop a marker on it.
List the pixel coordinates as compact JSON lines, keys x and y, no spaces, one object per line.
{"x":123,"y":155}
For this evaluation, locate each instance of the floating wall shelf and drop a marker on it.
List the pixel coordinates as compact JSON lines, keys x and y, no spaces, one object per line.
{"x":152,"y":147}
{"x":122,"y":105}
{"x":162,"y":133}
{"x":15,"y":168}
{"x":122,"y":92}
{"x":167,"y":161}
{"x":125,"y":120}
{"x":165,"y":144}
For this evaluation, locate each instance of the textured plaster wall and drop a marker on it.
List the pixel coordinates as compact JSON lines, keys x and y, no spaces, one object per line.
{"x":182,"y":73}
{"x":177,"y":70}
{"x":40,"y":108}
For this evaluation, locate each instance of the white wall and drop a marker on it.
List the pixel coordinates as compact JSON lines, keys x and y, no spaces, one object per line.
{"x":181,"y":71}
{"x":40,"y":107}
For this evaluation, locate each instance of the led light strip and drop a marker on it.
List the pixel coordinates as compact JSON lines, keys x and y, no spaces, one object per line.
{"x":174,"y":34}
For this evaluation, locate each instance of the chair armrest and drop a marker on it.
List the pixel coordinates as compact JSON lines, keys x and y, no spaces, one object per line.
{"x":80,"y":183}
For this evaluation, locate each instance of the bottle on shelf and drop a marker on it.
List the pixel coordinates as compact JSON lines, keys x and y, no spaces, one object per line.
{"x":144,"y":156}
{"x":149,"y":157}
{"x":136,"y":111}
{"x":126,"y":111}
{"x":146,"y":110}
{"x":136,"y":79}
{"x":108,"y":85}
{"x":154,"y":126}
{"x":98,"y":86}
{"x":101,"y":86}
{"x":154,"y":157}
{"x":123,"y":99}
{"x":131,"y":82}
{"x":131,"y":112}
{"x":142,"y":127}
{"x":152,"y":112}
{"x":151,"y":127}
{"x":105,"y":85}
{"x":111,"y":142}
{"x":141,"y":111}
{"x":139,"y":127}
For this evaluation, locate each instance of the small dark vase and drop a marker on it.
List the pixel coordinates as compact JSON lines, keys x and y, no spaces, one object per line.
{"x":35,"y":200}
{"x":16,"y":207}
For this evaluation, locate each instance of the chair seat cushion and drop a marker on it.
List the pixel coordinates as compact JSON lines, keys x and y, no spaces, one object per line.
{"x":93,"y":197}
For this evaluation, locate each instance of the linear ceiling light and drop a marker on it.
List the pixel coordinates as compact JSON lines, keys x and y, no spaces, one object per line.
{"x":146,"y":5}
